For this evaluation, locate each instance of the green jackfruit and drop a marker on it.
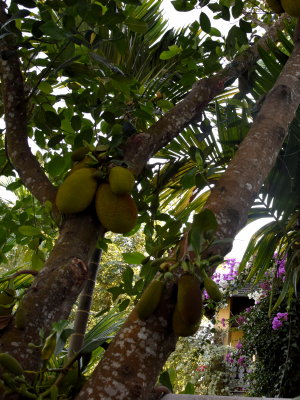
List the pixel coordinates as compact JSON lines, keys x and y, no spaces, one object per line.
{"x":180,"y":327}
{"x":116,"y":213}
{"x":10,"y":364}
{"x":189,"y":299}
{"x":291,"y":7}
{"x":150,"y":299}
{"x":76,"y":193}
{"x":276,"y":6}
{"x":212,"y":289}
{"x":121,"y":180}
{"x":80,"y":153}
{"x":7,"y":301}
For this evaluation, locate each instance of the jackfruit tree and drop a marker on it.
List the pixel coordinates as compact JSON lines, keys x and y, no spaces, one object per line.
{"x":113,"y":122}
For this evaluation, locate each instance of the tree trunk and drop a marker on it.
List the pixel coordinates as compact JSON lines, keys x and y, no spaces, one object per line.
{"x":54,"y":291}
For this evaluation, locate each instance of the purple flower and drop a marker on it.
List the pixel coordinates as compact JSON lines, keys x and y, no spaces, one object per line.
{"x":241,"y":320}
{"x":238,"y":345}
{"x":223,"y":322}
{"x":278,"y":320}
{"x":229,"y":358}
{"x":241,"y":360}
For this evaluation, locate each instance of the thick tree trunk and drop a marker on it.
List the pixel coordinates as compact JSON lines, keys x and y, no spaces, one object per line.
{"x":54,"y":291}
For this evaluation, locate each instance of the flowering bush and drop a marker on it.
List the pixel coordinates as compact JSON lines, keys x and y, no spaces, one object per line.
{"x":271,"y":341}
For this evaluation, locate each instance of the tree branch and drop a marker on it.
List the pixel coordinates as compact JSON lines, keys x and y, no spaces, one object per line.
{"x":14,"y":101}
{"x":234,"y":193}
{"x":84,"y":306}
{"x":142,"y":146}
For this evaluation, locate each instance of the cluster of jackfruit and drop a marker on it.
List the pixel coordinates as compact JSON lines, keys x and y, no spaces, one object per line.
{"x":115,"y":208}
{"x":291,"y":7}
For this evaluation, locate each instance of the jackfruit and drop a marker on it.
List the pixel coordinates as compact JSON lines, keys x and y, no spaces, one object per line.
{"x":76,"y":193}
{"x":212,"y":289}
{"x":80,"y":153}
{"x":291,"y":7}
{"x":276,"y":6}
{"x":6,"y":301}
{"x":116,"y":213}
{"x":189,"y":299}
{"x":86,"y":162}
{"x":121,"y":180}
{"x":10,"y":364}
{"x":180,"y":327}
{"x":150,"y":299}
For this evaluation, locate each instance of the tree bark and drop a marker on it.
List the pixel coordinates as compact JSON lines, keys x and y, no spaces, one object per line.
{"x":53,"y":293}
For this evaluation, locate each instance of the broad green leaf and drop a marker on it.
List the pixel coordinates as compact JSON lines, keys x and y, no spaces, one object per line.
{"x":45,"y":87}
{"x":172,"y":52}
{"x":133,"y":258}
{"x":205,"y":22}
{"x":51,"y":29}
{"x":29,"y":230}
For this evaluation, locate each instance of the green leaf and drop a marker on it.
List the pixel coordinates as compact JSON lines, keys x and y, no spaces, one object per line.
{"x":203,"y":228}
{"x":172,"y":52}
{"x":56,"y":166}
{"x":37,"y":262}
{"x":184,"y":5}
{"x":45,"y":87}
{"x":136,"y":25}
{"x":55,"y":140}
{"x":76,"y":122}
{"x":52,"y":119}
{"x":51,"y":29}
{"x":189,"y":389}
{"x":165,"y":380}
{"x":29,"y":230}
{"x":133,"y":258}
{"x":205,"y":22}
{"x":26,"y":3}
{"x":127,"y":277}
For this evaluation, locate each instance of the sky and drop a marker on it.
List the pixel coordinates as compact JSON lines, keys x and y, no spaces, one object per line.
{"x":176,"y":20}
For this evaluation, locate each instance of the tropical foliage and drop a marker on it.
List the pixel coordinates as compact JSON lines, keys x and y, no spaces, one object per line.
{"x":111,"y":77}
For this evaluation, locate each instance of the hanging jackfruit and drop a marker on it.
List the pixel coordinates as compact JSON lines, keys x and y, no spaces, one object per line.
{"x":150,"y":299}
{"x":211,"y":287}
{"x":80,"y":153}
{"x":180,"y":327}
{"x":7,"y":301}
{"x":76,"y":193}
{"x":189,"y":299}
{"x":121,"y":180}
{"x":116,"y":213}
{"x":275,"y":6}
{"x":291,"y":7}
{"x":10,"y":364}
